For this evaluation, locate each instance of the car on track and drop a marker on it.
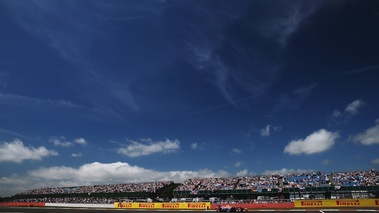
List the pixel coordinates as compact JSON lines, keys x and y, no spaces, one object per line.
{"x":229,"y":208}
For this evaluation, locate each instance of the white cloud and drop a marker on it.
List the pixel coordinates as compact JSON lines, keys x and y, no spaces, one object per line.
{"x":60,"y":141}
{"x":317,"y":142}
{"x":242,"y":173}
{"x":336,"y":114}
{"x":17,"y":152}
{"x":286,"y":171}
{"x":80,"y":141}
{"x":148,"y":147}
{"x":12,"y":184}
{"x":325,"y":162}
{"x":238,"y":164}
{"x":370,"y":136}
{"x":350,"y":110}
{"x":265,"y":132}
{"x":353,"y":107}
{"x":236,"y":151}
{"x":95,"y":173}
{"x":194,"y":146}
{"x":375,"y":161}
{"x":76,"y":155}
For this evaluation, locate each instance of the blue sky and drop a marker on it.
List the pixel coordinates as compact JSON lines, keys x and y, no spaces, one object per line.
{"x":98,"y":92}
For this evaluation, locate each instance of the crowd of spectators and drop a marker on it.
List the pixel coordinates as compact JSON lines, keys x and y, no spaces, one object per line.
{"x":280,"y":181}
{"x":257,"y":182}
{"x":82,"y":200}
{"x":108,"y":188}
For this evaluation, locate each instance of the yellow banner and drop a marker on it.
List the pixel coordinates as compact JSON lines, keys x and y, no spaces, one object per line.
{"x":337,"y":203}
{"x":192,"y":205}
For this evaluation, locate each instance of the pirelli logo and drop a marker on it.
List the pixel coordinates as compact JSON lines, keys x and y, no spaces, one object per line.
{"x":197,"y":205}
{"x":125,"y":205}
{"x":377,"y":202}
{"x":348,"y":203}
{"x":311,"y":203}
{"x":170,"y":205}
{"x":146,"y":205}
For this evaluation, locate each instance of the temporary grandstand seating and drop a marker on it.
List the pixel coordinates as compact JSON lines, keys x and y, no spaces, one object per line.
{"x":283,"y":186}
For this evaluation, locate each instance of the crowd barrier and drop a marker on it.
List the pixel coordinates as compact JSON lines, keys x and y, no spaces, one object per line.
{"x":22,"y":204}
{"x":337,"y":203}
{"x":195,"y":206}
{"x":288,"y":205}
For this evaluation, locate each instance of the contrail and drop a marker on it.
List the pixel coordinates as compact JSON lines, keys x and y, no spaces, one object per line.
{"x":364,"y":69}
{"x":224,"y":105}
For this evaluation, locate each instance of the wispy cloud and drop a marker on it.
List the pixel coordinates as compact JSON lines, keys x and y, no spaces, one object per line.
{"x":284,"y":171}
{"x":325,"y":162}
{"x":364,"y":69}
{"x":4,"y":78}
{"x":62,"y":141}
{"x":354,"y":106}
{"x":80,"y":141}
{"x":148,"y":147}
{"x":369,"y":136}
{"x":17,"y":100}
{"x":344,"y":116}
{"x":71,"y":40}
{"x":15,"y":151}
{"x":287,"y":19}
{"x":236,"y":151}
{"x":266,"y":132}
{"x":14,"y":134}
{"x":375,"y":161}
{"x":294,"y":99}
{"x":232,"y":103}
{"x":237,"y":67}
{"x":238,"y":164}
{"x":242,"y":173}
{"x":350,"y":110}
{"x":76,"y":155}
{"x":317,"y":142}
{"x":194,"y":146}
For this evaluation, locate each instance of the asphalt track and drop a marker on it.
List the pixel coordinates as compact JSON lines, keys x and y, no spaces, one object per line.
{"x":89,"y":210}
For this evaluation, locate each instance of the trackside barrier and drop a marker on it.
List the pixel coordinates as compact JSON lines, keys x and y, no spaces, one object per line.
{"x":22,"y":204}
{"x":197,"y":205}
{"x":337,"y":203}
{"x":284,"y":205}
{"x":79,"y":205}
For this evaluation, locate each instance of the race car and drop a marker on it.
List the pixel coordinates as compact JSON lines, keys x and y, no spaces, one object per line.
{"x":229,"y":208}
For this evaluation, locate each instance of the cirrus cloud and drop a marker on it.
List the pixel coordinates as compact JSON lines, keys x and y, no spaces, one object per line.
{"x":148,"y":147}
{"x":62,"y":141}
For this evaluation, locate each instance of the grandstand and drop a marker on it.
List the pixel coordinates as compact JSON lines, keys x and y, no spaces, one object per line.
{"x":276,"y":187}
